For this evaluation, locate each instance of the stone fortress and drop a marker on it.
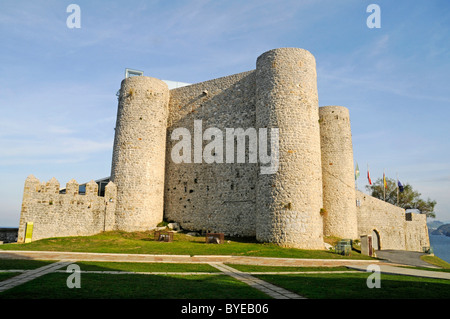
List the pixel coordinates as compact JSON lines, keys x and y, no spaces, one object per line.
{"x":310,"y":195}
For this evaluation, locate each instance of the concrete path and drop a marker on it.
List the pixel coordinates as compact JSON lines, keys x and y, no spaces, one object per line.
{"x":31,"y":274}
{"x":242,"y":260}
{"x":403,"y":257}
{"x":386,"y":269}
{"x":271,"y":290}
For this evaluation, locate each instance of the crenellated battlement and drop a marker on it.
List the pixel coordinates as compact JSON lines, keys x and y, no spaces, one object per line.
{"x":55,"y":212}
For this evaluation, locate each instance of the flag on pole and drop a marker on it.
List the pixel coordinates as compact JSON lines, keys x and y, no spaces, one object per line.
{"x":356,"y":171}
{"x":368,"y":175}
{"x":384,"y":181}
{"x":400,"y":187}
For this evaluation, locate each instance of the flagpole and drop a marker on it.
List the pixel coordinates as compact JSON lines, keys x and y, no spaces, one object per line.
{"x":384,"y":187}
{"x":397,"y":188}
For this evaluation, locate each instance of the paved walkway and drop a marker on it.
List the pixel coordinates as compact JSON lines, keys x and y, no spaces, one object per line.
{"x":242,"y":260}
{"x":411,"y":258}
{"x":271,"y":290}
{"x":386,"y":269}
{"x":31,"y":274}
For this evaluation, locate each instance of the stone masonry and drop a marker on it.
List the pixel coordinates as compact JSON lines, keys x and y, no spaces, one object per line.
{"x":337,"y":173}
{"x":289,"y":201}
{"x":306,"y":193}
{"x":71,"y":214}
{"x":139,"y":153}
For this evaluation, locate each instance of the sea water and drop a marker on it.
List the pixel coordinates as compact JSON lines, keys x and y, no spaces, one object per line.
{"x":441,"y":246}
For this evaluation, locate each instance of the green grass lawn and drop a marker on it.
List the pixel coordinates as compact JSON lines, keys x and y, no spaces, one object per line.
{"x":102,"y":286}
{"x":219,"y":286}
{"x":201,"y":286}
{"x":258,"y":268}
{"x":144,"y":267}
{"x":19,"y":264}
{"x":354,"y":286}
{"x":22,"y":264}
{"x":7,"y":275}
{"x":434,"y":260}
{"x":143,"y":243}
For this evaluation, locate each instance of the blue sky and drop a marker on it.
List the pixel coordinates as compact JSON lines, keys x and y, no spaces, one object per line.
{"x":58,"y":85}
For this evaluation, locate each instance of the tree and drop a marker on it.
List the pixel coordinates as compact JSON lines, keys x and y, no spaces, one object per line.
{"x":408,"y":199}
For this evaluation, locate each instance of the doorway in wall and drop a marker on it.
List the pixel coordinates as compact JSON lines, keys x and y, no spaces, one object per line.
{"x":375,"y":240}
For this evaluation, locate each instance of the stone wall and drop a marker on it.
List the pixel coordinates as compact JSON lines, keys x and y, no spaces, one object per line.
{"x":218,"y":196}
{"x":240,"y":199}
{"x":416,"y":232}
{"x":70,"y":214}
{"x":396,"y":229}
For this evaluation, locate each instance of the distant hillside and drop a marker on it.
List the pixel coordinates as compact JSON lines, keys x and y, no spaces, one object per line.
{"x":442,"y":230}
{"x":435,"y":224}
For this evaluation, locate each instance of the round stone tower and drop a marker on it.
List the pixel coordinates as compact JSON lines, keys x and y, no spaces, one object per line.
{"x":339,"y":198}
{"x":289,"y":201}
{"x":139,"y":153}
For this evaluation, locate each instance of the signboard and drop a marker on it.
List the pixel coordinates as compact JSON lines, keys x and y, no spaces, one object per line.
{"x":28,"y":232}
{"x":366,"y":245}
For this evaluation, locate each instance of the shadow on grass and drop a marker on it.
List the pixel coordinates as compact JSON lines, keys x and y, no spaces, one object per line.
{"x":7,"y":275}
{"x":100,"y":286}
{"x":21,"y":264}
{"x":145,"y":267}
{"x":354,"y":286}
